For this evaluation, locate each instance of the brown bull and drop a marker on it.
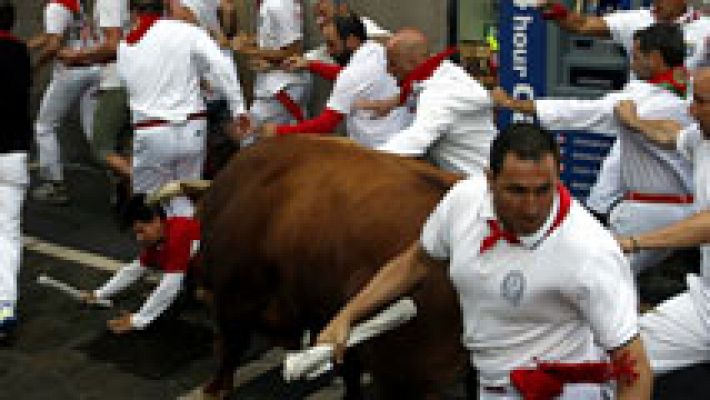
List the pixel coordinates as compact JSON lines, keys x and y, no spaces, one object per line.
{"x":293,"y":227}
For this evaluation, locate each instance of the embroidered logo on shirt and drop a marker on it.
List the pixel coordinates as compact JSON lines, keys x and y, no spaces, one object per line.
{"x":513,"y":287}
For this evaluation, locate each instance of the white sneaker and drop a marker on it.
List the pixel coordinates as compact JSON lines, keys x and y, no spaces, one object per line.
{"x":8,"y":320}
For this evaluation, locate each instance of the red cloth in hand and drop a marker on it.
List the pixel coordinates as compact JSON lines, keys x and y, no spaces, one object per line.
{"x":324,"y":123}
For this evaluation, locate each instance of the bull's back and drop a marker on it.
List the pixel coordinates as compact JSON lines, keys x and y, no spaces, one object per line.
{"x":302,"y":224}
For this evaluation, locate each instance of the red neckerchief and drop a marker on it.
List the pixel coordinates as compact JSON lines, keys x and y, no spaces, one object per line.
{"x":145,"y":22}
{"x":423,"y":71}
{"x":497,"y":233}
{"x":71,"y":5}
{"x":7,"y":35}
{"x":675,"y":80}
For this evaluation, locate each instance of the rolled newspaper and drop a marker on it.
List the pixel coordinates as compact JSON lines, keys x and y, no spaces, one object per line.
{"x":69,"y":290}
{"x":316,"y":360}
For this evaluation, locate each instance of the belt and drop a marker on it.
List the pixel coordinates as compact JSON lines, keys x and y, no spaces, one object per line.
{"x":495,"y":389}
{"x":150,"y":123}
{"x":659,"y":198}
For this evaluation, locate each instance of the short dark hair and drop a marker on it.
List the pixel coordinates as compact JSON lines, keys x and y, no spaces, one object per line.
{"x":7,"y":15}
{"x":667,"y":39}
{"x":527,"y":141}
{"x":350,"y":24}
{"x":147,"y":6}
{"x":138,"y":210}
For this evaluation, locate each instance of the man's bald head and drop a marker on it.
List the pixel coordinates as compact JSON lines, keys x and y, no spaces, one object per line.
{"x":700,"y":107}
{"x":406,"y":49}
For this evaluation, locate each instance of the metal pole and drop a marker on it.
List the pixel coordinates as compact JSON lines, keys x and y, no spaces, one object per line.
{"x":453,"y":27}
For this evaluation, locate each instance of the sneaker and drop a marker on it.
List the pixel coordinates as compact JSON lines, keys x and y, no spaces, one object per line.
{"x":8,"y":320}
{"x":52,"y":192}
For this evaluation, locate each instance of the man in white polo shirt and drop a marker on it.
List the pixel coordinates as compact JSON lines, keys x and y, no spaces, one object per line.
{"x":161,"y":63}
{"x":538,"y":278}
{"x":620,"y":27}
{"x":657,"y":182}
{"x":453,"y":122}
{"x":361,"y":74}
{"x":66,"y":24}
{"x":279,"y":96}
{"x":676,"y":332}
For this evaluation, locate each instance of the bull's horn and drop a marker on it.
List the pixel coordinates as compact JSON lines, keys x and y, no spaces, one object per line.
{"x":191,"y":188}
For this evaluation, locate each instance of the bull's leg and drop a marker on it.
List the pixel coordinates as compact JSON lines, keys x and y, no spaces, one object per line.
{"x":230,"y":343}
{"x":351,"y":371}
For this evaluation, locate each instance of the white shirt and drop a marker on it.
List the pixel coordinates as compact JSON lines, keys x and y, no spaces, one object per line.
{"x":162,"y":72}
{"x":645,"y":167}
{"x":366,"y":77}
{"x":59,"y":20}
{"x":556,"y":297}
{"x":623,"y":24}
{"x":696,"y":148}
{"x":693,"y":145}
{"x":280,"y":24}
{"x":453,"y":124}
{"x":111,"y":14}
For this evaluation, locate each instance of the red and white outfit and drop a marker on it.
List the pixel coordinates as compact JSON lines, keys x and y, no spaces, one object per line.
{"x":279,"y":97}
{"x":622,"y":25}
{"x":676,"y":334}
{"x":453,"y":125}
{"x":564,"y":293}
{"x":161,"y":64}
{"x":68,"y":85}
{"x":657,"y":184}
{"x":365,"y":77}
{"x":172,"y":256}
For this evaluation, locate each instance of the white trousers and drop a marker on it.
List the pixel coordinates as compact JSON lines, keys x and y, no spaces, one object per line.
{"x":67,"y":86}
{"x":268,"y":109}
{"x":676,"y":334}
{"x":631,"y":217}
{"x":13,"y":185}
{"x":607,"y":189}
{"x":169,"y":152}
{"x":571,"y":392}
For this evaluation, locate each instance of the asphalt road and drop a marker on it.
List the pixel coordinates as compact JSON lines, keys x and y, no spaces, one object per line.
{"x":63,"y":351}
